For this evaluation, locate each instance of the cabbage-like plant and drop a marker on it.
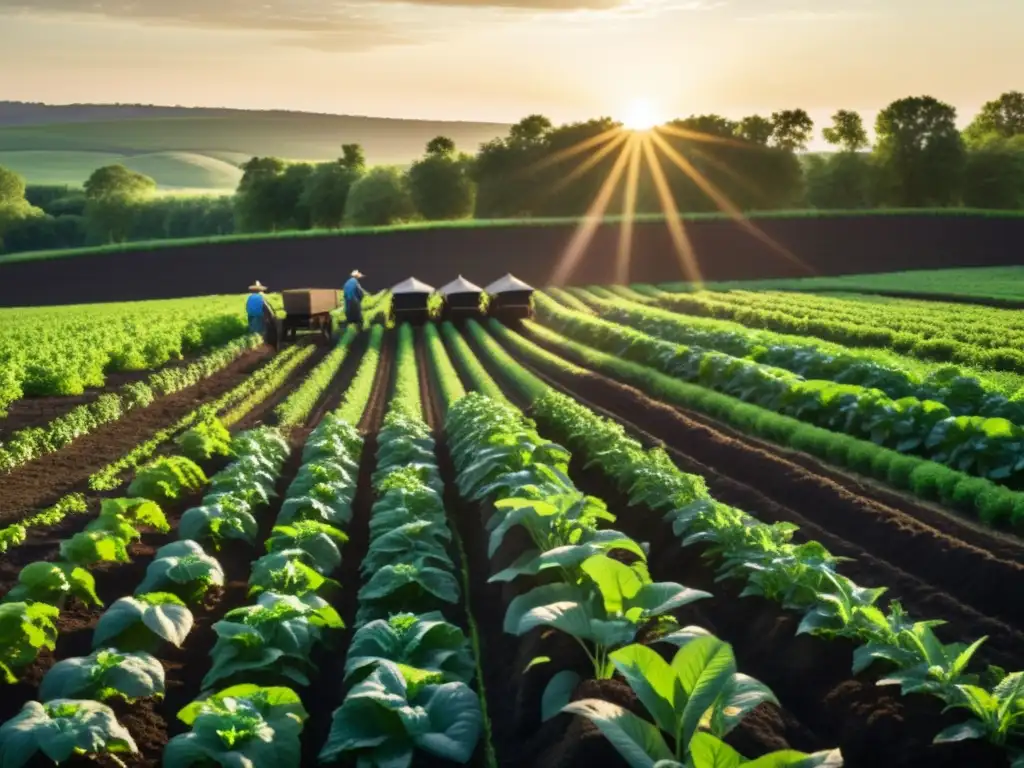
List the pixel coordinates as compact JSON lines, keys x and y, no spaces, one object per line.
{"x":135,"y":512}
{"x":426,"y":642}
{"x":414,"y":585}
{"x":319,"y":540}
{"x":188,"y":576}
{"x":325,"y":504}
{"x":244,"y":725}
{"x":167,"y":479}
{"x":219,"y":518}
{"x":265,"y":443}
{"x":25,"y":629}
{"x":143,"y":623}
{"x":396,"y":711}
{"x":104,"y":674}
{"x":62,"y":729}
{"x":423,"y":540}
{"x":274,"y":637}
{"x":339,"y":473}
{"x":699,"y":688}
{"x":289,"y":572}
{"x":99,"y":546}
{"x":53,"y":583}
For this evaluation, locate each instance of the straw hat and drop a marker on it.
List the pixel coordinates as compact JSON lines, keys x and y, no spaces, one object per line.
{"x":258,"y":286}
{"x":357,"y":274}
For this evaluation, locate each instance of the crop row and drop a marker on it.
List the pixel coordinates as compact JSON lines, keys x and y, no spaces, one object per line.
{"x":981,"y":337}
{"x":555,"y":539}
{"x":801,"y":577}
{"x":33,"y":442}
{"x":809,"y":357}
{"x":882,"y":434}
{"x":64,"y":350}
{"x":299,"y":404}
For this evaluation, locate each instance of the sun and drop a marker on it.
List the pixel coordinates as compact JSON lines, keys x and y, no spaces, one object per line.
{"x":640,"y":116}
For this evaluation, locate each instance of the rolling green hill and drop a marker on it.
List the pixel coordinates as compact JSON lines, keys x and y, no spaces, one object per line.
{"x":202,"y":150}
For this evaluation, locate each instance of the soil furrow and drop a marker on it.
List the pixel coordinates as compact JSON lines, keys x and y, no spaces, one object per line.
{"x":43,"y":481}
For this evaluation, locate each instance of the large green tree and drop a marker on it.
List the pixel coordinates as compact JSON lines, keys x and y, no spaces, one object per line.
{"x":791,"y":129}
{"x":919,"y":153}
{"x":1001,"y":118}
{"x":114,"y":196}
{"x":378,"y":198}
{"x":440,"y":184}
{"x":846,"y":132}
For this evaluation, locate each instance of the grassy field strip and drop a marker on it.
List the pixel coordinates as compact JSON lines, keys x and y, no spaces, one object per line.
{"x":836,"y":606}
{"x":810,"y":416}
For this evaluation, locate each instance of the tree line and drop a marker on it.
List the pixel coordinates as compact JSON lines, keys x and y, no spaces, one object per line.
{"x":919,"y":158}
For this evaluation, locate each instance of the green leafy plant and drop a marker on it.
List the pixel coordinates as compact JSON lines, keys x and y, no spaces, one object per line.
{"x":289,"y":572}
{"x":604,"y":610}
{"x":99,"y":545}
{"x":188,"y":576}
{"x":167,"y":479}
{"x":245,"y":725}
{"x":25,"y":629}
{"x":425,"y":642}
{"x":62,"y":729}
{"x":53,"y":583}
{"x":206,"y":440}
{"x":319,"y":540}
{"x":219,"y":519}
{"x":274,"y":638}
{"x":143,"y":623}
{"x":410,"y":585}
{"x":396,"y":711}
{"x":699,"y":688}
{"x":997,"y":716}
{"x":103,"y":675}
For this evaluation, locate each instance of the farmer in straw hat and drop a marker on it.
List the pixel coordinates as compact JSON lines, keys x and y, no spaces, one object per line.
{"x":256,"y":306}
{"x":354,"y":298}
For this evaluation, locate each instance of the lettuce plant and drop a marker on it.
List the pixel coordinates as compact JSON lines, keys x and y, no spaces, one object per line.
{"x":699,"y":689}
{"x":423,"y":540}
{"x":425,"y":642}
{"x":53,"y":583}
{"x":326,"y":507}
{"x":319,"y":540}
{"x":396,"y":711}
{"x":289,"y":572}
{"x":187,"y":576}
{"x":219,"y":519}
{"x":93,"y":546}
{"x":167,"y":479}
{"x":245,"y":725}
{"x":62,"y":729}
{"x":206,"y":440}
{"x":143,"y":623}
{"x":274,"y":637}
{"x":135,"y":512}
{"x":25,"y":629}
{"x":102,"y":675}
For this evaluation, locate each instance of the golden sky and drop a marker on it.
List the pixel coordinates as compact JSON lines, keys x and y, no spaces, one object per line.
{"x":500,"y":60}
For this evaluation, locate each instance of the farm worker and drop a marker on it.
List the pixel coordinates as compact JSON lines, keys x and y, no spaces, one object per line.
{"x":255,"y":306}
{"x":354,"y":298}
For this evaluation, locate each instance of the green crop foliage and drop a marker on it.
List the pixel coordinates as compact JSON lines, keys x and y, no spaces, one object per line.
{"x":358,"y":395}
{"x":299,"y":404}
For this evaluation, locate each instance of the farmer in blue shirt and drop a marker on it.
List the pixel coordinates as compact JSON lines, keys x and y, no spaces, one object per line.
{"x":255,"y":307}
{"x":354,"y":299}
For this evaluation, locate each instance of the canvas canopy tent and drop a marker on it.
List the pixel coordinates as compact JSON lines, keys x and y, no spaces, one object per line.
{"x":461,"y":299}
{"x":510,"y":298}
{"x":409,"y":301}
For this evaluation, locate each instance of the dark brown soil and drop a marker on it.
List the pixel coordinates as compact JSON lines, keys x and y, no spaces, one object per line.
{"x":261,"y":413}
{"x":932,"y":573}
{"x":39,"y":483}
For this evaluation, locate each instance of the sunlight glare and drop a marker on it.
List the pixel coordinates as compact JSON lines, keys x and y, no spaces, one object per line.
{"x":640,"y":116}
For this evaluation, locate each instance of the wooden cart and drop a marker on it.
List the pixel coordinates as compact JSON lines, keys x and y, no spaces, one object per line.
{"x":308,"y":309}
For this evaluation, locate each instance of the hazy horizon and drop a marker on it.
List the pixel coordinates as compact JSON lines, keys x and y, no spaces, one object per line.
{"x":500,"y":60}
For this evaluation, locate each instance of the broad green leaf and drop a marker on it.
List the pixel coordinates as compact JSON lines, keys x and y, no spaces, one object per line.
{"x":653,"y":681}
{"x":558,"y":693}
{"x":639,"y":743}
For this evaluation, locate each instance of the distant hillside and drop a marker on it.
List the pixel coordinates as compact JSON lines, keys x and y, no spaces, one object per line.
{"x":200,"y":149}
